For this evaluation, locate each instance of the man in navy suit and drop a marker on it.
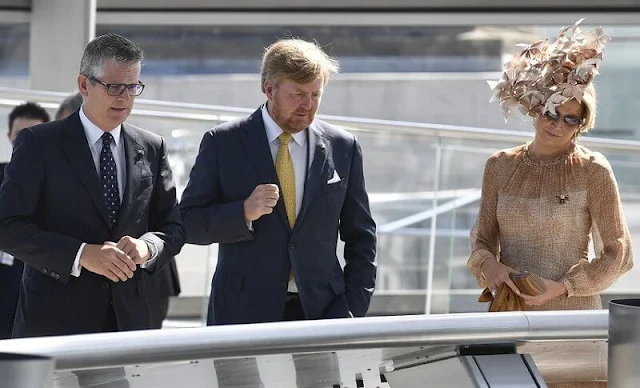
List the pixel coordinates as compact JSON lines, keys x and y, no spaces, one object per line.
{"x":89,"y":203}
{"x":21,"y":117}
{"x":274,"y":189}
{"x":160,"y":286}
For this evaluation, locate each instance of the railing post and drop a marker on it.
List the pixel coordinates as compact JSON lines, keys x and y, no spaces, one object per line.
{"x":25,"y":371}
{"x":434,"y":223}
{"x":624,"y":343}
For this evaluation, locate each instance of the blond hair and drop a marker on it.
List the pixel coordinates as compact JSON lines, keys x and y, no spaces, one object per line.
{"x":298,"y":60}
{"x":589,"y":108}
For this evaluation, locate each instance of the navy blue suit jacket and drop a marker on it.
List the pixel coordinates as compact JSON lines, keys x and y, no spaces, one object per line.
{"x":10,"y":276}
{"x":250,"y":281}
{"x":51,"y":202}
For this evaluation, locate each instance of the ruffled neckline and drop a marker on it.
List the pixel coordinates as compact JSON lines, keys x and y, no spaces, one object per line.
{"x":548,"y":162}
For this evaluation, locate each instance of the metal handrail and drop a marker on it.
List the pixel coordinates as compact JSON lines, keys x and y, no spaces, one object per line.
{"x":217,"y":113}
{"x":154,"y":346}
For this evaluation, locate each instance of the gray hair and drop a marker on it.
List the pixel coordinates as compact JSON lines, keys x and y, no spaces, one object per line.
{"x":108,"y":47}
{"x":70,"y":104}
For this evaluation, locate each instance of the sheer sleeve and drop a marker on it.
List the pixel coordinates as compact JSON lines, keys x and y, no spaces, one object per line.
{"x":485,"y":235}
{"x":612,"y":243}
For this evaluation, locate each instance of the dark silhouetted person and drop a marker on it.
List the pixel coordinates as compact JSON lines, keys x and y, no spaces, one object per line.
{"x":22,"y":116}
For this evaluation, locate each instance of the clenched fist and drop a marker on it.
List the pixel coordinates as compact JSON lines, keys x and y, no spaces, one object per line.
{"x":261,"y":201}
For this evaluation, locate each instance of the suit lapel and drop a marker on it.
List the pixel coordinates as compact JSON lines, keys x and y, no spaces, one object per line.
{"x":134,"y":157}
{"x":76,"y":150}
{"x":255,"y":142}
{"x":314,"y":179}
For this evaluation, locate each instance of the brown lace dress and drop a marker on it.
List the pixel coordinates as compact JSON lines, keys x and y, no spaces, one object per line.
{"x":537,"y":216}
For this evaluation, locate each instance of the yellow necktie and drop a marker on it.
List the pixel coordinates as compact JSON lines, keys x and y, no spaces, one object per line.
{"x":287,"y":178}
{"x":284,"y":169}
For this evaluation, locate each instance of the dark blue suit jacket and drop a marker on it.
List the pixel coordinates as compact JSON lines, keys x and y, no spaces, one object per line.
{"x":250,"y":281}
{"x":10,"y":276}
{"x":51,"y":202}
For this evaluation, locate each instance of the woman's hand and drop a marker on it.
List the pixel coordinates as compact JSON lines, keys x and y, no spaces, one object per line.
{"x":553,"y":290}
{"x":496,"y":273}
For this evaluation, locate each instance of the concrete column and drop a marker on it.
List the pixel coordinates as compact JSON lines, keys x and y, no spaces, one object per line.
{"x":60,"y":29}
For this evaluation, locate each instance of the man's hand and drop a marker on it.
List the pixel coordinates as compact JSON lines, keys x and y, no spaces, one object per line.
{"x":261,"y":201}
{"x":137,"y":249}
{"x":107,"y":260}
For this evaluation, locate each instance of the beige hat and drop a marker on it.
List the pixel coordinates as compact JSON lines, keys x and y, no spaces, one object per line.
{"x":545,"y":75}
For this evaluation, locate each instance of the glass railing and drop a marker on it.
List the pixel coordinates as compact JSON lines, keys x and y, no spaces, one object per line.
{"x":424,"y":184}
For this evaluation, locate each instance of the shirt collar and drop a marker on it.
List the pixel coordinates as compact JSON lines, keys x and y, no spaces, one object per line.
{"x":93,"y":133}
{"x":274,"y":130}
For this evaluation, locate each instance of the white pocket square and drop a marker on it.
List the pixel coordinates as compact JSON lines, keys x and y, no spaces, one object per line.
{"x":335,"y":178}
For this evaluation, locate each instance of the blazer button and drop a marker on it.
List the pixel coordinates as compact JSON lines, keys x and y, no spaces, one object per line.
{"x":292,"y":246}
{"x":105,"y":285}
{"x":44,"y":270}
{"x":240,"y":238}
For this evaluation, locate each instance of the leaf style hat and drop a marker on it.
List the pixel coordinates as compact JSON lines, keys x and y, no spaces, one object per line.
{"x":545,"y":75}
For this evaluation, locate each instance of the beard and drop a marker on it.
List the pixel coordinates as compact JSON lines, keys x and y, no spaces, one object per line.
{"x":291,"y":122}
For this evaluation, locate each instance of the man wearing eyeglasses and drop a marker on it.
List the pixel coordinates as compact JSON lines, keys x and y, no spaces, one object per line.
{"x":89,"y":204}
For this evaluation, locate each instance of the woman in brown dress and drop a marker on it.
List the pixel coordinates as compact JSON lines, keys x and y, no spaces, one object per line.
{"x":542,"y":200}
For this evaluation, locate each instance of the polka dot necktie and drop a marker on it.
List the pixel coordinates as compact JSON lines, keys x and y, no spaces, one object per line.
{"x":109,"y":179}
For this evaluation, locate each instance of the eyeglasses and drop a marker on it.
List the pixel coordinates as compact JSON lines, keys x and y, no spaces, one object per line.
{"x":118,"y":89}
{"x":571,"y":121}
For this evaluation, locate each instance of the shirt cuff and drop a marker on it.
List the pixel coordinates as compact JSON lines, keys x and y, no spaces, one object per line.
{"x":76,"y":269}
{"x":154,"y":253}
{"x":6,"y":259}
{"x":250,"y":225}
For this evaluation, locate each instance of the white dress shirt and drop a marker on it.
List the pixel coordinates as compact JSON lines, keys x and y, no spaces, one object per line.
{"x":297,"y":149}
{"x":300,"y":154}
{"x":94,"y":141}
{"x":6,"y":259}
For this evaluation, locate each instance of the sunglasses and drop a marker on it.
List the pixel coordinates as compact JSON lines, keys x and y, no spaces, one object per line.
{"x":571,"y":121}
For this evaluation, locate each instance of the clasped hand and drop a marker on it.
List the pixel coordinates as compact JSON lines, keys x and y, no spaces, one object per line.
{"x":496,"y":273}
{"x":116,"y":261}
